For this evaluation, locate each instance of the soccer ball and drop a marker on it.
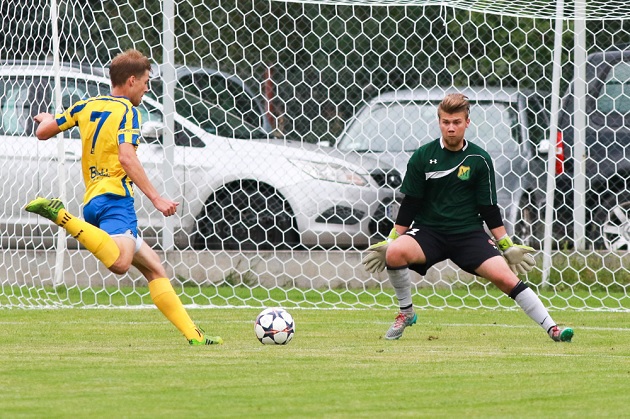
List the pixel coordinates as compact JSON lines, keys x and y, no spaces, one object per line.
{"x":274,"y":326}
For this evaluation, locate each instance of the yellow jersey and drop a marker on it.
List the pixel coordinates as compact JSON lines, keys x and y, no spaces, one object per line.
{"x":104,"y":123}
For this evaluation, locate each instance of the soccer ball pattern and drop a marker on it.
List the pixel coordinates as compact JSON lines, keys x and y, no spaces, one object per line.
{"x":274,"y":326}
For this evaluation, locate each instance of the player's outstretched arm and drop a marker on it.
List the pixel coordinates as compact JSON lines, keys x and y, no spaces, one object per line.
{"x":47,"y":127}
{"x":375,"y":260}
{"x":132,"y":166}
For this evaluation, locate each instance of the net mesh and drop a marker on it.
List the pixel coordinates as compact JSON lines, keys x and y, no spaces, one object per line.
{"x":541,"y":9}
{"x":294,"y":124}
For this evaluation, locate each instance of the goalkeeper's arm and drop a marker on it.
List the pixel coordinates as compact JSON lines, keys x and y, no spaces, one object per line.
{"x":375,"y":261}
{"x":407,"y":212}
{"x":518,"y":257}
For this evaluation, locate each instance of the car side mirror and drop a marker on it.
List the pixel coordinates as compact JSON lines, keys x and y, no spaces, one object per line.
{"x":152,"y":130}
{"x":544,"y":146}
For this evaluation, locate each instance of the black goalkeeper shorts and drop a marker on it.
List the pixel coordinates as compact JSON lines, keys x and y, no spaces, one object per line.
{"x":466,"y":250}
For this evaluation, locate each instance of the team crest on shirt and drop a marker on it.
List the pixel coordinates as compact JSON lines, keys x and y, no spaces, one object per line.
{"x":464,"y":172}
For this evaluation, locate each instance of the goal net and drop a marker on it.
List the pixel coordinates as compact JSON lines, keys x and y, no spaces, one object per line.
{"x":283,"y":129}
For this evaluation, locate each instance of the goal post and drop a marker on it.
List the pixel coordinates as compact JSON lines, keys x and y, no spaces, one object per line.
{"x":250,"y":106}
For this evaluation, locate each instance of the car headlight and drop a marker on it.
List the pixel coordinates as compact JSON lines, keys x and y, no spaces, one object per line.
{"x":331,"y":172}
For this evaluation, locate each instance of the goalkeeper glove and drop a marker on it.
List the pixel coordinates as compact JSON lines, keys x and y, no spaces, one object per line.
{"x":518,"y":257}
{"x":375,"y":262}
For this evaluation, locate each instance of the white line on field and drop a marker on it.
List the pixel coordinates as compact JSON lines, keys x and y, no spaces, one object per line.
{"x":461,"y":351}
{"x":511,"y":326}
{"x":616,"y":329}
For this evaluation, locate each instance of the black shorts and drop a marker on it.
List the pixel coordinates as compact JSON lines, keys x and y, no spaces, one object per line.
{"x":466,"y":250}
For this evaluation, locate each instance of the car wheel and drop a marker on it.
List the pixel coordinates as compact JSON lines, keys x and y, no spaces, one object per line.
{"x":530,"y":227}
{"x":247,"y":216}
{"x":616,"y":228}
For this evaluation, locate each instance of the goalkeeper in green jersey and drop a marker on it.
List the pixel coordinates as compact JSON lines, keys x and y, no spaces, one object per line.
{"x":449,"y":192}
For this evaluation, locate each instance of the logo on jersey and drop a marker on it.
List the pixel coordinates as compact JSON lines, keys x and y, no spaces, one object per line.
{"x":94,"y":172}
{"x":432,"y":161}
{"x":464,"y":172}
{"x":493,"y":244}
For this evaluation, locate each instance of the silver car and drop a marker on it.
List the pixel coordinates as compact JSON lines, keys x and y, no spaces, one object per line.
{"x":507,"y":123}
{"x":235,"y":193}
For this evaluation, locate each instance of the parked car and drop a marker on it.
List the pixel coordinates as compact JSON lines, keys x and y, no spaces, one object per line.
{"x":507,"y":123}
{"x":215,"y":88}
{"x":234,"y":193}
{"x":607,"y":143}
{"x":223,"y":104}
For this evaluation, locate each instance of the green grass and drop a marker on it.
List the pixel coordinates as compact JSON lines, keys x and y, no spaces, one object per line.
{"x":453,"y":363}
{"x":472,"y":296}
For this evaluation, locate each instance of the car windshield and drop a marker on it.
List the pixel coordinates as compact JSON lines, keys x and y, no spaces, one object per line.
{"x":212,"y":117}
{"x":405,"y":126}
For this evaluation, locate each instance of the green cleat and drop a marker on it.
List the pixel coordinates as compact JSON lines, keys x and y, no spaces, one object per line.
{"x":401,"y":322}
{"x":561,"y":335}
{"x":47,"y":208}
{"x":206,"y":340}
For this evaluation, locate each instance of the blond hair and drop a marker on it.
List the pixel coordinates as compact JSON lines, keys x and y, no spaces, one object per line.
{"x":126,"y":64}
{"x":454,"y":103}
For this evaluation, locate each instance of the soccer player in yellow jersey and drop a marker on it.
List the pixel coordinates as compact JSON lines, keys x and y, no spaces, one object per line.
{"x":110,"y":132}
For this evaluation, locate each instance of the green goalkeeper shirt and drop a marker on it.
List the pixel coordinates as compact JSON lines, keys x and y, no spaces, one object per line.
{"x":452,"y":186}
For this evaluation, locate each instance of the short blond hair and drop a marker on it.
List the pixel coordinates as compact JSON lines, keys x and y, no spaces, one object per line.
{"x":454,"y":103}
{"x":126,"y":64}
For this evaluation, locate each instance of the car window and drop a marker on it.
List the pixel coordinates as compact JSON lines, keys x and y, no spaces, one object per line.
{"x":231,"y":96}
{"x":149,"y":113}
{"x":392,"y":127}
{"x":15,"y":106}
{"x":405,"y":126}
{"x":244,"y":103}
{"x":613,"y":100}
{"x":213,"y":118}
{"x":183,"y":137}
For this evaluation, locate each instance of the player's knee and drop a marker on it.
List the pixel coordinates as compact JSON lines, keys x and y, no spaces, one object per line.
{"x":119,"y":269}
{"x":159,"y":272}
{"x":404,"y":251}
{"x":121,"y":266}
{"x":396,"y":255}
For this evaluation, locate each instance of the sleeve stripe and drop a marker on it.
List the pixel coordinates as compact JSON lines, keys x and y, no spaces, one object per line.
{"x":123,"y":121}
{"x":134,"y":138}
{"x":135,"y":123}
{"x":77,"y":108}
{"x":490,"y":173}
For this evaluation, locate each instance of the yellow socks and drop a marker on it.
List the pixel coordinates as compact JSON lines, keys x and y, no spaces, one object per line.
{"x":93,"y":238}
{"x":164,"y":297}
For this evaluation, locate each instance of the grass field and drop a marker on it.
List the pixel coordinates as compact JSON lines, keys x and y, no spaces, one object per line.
{"x":453,"y":363}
